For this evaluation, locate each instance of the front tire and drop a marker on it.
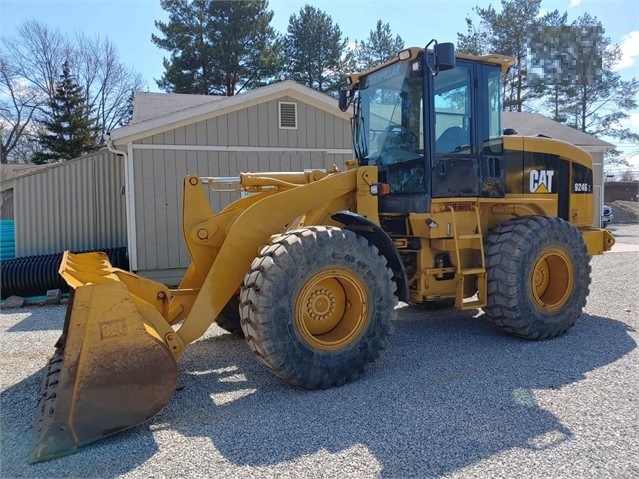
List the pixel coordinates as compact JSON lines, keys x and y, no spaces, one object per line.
{"x":317,"y":306}
{"x":538,"y":274}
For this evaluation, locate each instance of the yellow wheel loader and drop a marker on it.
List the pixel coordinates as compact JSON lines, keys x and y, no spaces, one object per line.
{"x":437,"y":207}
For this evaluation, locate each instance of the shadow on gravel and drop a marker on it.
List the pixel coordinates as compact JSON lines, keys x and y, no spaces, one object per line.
{"x":117,"y":455}
{"x":449,"y":391}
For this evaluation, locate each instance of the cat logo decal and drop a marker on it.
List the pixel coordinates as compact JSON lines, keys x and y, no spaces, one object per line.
{"x":541,"y":181}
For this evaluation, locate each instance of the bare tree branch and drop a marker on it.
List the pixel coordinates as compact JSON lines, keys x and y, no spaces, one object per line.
{"x":32,"y":63}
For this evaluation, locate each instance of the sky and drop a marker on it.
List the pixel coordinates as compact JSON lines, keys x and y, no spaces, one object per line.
{"x":130,"y":23}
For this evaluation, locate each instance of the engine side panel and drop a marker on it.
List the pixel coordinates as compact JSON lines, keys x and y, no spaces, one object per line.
{"x":545,"y":168}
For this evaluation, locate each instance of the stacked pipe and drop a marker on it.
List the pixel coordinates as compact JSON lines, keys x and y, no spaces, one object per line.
{"x":35,"y":275}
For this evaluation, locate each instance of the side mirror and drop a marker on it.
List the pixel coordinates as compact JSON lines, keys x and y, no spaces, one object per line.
{"x":345,"y":97}
{"x":445,"y":56}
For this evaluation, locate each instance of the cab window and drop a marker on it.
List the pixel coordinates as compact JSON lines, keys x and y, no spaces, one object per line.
{"x":453,"y":111}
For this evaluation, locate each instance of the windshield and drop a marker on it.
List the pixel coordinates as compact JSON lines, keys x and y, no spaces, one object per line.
{"x":389,"y":116}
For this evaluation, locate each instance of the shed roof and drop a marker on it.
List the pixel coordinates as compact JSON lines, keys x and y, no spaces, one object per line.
{"x":11,"y":171}
{"x":533,"y":124}
{"x":173,"y":111}
{"x":147,"y":105}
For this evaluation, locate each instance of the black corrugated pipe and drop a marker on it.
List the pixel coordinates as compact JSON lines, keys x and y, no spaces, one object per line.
{"x":35,"y":275}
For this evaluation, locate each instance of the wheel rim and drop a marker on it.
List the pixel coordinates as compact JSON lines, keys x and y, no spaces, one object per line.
{"x":552,"y":280}
{"x":331,"y":309}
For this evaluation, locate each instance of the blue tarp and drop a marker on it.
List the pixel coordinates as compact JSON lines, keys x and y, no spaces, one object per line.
{"x":7,"y":240}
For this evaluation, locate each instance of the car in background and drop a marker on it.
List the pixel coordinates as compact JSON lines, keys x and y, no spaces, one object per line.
{"x":607,"y":216}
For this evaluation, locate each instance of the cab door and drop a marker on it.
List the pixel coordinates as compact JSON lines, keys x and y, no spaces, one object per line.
{"x":455,"y":165}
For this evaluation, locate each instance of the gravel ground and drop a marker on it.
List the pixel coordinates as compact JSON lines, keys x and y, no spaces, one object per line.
{"x":451,"y":397}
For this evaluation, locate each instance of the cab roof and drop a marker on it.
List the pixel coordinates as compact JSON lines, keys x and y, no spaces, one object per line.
{"x":411,"y":53}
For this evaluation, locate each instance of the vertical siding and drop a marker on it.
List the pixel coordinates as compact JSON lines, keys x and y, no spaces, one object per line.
{"x":77,"y":205}
{"x":261,"y":119}
{"x":158,"y":198}
{"x":109,"y":200}
{"x":159,"y":172}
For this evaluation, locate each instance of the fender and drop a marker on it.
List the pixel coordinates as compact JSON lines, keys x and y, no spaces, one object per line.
{"x":375,"y":235}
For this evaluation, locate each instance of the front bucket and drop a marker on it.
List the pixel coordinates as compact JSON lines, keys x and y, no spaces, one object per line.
{"x":110,"y":372}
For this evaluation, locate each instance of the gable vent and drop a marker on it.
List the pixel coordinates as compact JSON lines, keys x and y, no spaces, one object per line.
{"x":288,"y":115}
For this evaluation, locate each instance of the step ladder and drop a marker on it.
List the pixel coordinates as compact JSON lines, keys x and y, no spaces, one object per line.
{"x":466,"y":299}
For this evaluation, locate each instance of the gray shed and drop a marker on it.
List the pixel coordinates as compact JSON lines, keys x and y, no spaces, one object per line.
{"x":280,"y":127}
{"x":76,"y":205}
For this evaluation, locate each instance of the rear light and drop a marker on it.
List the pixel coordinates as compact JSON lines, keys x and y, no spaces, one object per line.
{"x":380,"y":189}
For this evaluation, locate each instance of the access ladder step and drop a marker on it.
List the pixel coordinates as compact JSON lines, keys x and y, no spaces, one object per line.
{"x":473,"y":304}
{"x":469,"y":236}
{"x":472,"y":271}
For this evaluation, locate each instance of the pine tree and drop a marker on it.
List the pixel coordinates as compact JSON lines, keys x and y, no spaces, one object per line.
{"x":506,"y":32}
{"x":598,"y":107}
{"x":553,"y":93}
{"x":130,"y":104}
{"x":314,"y":48}
{"x":475,"y":42}
{"x":378,"y":48}
{"x":217,"y":47}
{"x":67,"y":132}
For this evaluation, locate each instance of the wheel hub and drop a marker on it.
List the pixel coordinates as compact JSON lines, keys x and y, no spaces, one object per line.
{"x":331,"y":309}
{"x":321,"y":305}
{"x":541,"y":278}
{"x":552,"y":280}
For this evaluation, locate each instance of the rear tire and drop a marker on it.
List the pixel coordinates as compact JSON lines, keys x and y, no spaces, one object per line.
{"x":317,"y":306}
{"x":229,"y":318}
{"x":538,"y":272}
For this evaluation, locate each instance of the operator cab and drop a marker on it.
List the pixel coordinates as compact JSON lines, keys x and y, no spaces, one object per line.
{"x":431,"y":123}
